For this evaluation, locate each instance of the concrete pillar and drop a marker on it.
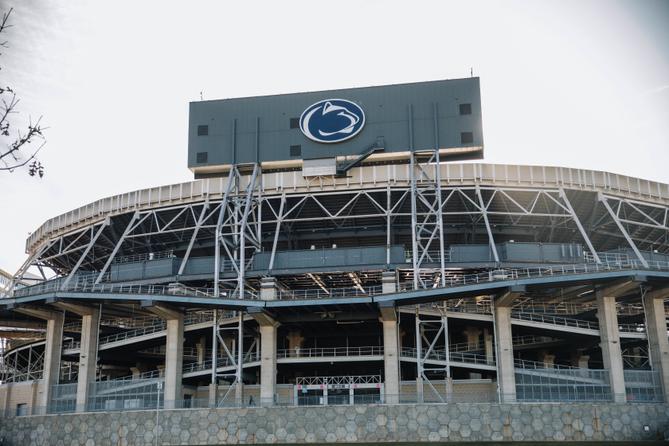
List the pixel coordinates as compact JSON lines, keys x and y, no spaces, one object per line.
{"x":239,"y":393}
{"x":268,"y":290}
{"x":201,"y":349}
{"x":267,"y":363}
{"x":295,"y":342}
{"x":548,"y":360}
{"x":391,"y":361}
{"x":506,"y":378}
{"x":174,"y":361}
{"x":582,"y":362}
{"x":136,"y":371}
{"x":268,"y":328}
{"x":391,"y":345}
{"x":488,"y":345}
{"x":34,"y":389}
{"x":388,"y":282}
{"x":213,"y":395}
{"x":174,"y":350}
{"x":88,"y":355}
{"x":52,"y":352}
{"x":610,"y":344}
{"x":472,"y":334}
{"x":658,"y":344}
{"x":6,"y":391}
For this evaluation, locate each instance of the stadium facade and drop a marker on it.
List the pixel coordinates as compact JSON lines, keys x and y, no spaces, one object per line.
{"x":337,"y":270}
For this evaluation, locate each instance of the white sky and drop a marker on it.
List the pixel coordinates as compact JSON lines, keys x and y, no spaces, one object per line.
{"x":571,"y":82}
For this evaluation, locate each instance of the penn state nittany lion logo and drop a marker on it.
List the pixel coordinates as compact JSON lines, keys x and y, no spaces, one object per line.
{"x":332,"y":120}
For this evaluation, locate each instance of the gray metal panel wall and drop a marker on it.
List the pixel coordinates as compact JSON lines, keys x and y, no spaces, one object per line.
{"x":518,"y":252}
{"x":144,"y":269}
{"x":234,"y":125}
{"x":540,"y":252}
{"x":329,"y":257}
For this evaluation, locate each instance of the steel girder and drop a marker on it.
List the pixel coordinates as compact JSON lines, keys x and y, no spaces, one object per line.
{"x":251,"y":221}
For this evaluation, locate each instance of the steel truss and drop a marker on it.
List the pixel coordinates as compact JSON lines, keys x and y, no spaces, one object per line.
{"x":428,"y":227}
{"x":24,"y":364}
{"x":430,"y":334}
{"x":245,"y":221}
{"x":642,"y":225}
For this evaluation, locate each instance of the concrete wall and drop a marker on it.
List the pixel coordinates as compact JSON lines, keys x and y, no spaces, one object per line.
{"x":364,"y":424}
{"x":13,"y":394}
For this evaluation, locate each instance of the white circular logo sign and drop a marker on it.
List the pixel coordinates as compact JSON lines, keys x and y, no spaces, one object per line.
{"x":332,"y":120}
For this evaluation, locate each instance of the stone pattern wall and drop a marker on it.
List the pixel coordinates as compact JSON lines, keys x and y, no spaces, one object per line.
{"x":365,"y":424}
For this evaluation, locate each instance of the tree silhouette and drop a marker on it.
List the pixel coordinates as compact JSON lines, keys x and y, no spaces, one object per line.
{"x":19,"y":145}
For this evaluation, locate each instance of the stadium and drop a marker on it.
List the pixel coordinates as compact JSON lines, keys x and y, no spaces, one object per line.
{"x":348,"y":260}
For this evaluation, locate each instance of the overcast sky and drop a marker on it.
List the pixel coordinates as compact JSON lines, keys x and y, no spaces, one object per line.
{"x":569,"y":83}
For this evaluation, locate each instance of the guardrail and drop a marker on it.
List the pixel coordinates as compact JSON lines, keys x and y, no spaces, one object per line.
{"x":88,"y":287}
{"x":145,"y":256}
{"x":526,"y":364}
{"x":555,"y":320}
{"x":321,"y":352}
{"x":329,"y":293}
{"x":573,"y":322}
{"x":221,"y":361}
{"x":502,"y":274}
{"x":497,"y":275}
{"x":147,"y":325}
{"x":440,"y":355}
{"x":159,"y":326}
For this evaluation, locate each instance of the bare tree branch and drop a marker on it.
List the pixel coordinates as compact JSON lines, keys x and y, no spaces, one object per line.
{"x":15,"y":143}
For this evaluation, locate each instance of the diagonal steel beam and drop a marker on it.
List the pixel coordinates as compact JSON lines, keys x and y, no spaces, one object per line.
{"x":574,"y":217}
{"x":198,"y":225}
{"x":83,"y":256}
{"x":603,"y":200}
{"x":117,"y":247}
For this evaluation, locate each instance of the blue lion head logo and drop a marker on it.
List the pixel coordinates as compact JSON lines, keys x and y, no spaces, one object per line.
{"x":332,"y":120}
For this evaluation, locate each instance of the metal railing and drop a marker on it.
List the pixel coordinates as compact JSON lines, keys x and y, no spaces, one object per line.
{"x":531,"y":340}
{"x":148,"y":325}
{"x":643,"y":385}
{"x":158,"y":326}
{"x":555,"y":320}
{"x":325,"y":352}
{"x":86,"y":286}
{"x":221,"y":361}
{"x":329,"y":293}
{"x":496,"y":275}
{"x":440,"y":355}
{"x":145,"y":256}
{"x":560,"y":383}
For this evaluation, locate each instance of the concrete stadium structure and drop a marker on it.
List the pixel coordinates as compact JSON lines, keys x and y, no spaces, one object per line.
{"x":402,"y":285}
